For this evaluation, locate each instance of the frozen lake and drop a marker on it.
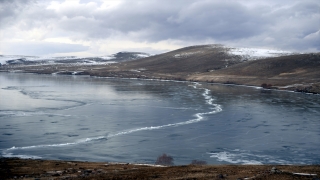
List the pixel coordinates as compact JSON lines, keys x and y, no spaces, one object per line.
{"x":129,"y":120}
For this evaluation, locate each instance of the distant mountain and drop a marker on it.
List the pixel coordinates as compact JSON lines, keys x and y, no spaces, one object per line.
{"x":223,"y":64}
{"x":188,"y":60}
{"x":128,"y":56}
{"x":206,"y":63}
{"x":203,"y":58}
{"x":35,"y":60}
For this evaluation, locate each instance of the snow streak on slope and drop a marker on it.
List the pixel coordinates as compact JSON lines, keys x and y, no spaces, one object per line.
{"x":257,"y":53}
{"x":186,"y":54}
{"x":43,"y":60}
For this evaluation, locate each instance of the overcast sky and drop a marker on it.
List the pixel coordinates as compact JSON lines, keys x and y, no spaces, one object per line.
{"x":102,"y":27}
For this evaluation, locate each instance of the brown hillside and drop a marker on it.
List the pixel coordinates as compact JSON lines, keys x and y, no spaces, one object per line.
{"x":304,"y":65}
{"x":186,"y":60}
{"x":209,"y":63}
{"x":279,"y":71}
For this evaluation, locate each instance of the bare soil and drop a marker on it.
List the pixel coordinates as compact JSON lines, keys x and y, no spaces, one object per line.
{"x":14,"y":168}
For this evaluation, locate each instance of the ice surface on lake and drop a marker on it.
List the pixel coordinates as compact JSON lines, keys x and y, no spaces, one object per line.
{"x":135,"y":121}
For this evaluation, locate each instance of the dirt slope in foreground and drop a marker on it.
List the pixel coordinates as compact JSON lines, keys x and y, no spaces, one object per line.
{"x":14,"y":168}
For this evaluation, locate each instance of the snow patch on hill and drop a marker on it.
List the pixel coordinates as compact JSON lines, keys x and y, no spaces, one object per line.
{"x":142,"y":55}
{"x":186,"y":54}
{"x":43,"y":60}
{"x":257,"y":53}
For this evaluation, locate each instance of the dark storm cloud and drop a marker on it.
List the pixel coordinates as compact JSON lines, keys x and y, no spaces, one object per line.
{"x":154,"y":21}
{"x":285,"y":24}
{"x":27,"y":11}
{"x":10,"y":9}
{"x":201,"y":19}
{"x":221,"y":21}
{"x":295,"y":27}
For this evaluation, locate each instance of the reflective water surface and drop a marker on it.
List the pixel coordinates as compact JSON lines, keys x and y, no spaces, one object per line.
{"x":129,"y":120}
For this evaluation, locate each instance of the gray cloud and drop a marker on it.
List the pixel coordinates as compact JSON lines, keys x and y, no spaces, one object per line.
{"x":286,"y":24}
{"x":42,"y":48}
{"x":10,"y":10}
{"x":152,"y":21}
{"x":220,"y":21}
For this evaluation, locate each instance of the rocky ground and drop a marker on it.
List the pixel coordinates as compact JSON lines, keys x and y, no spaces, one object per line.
{"x":14,"y":168}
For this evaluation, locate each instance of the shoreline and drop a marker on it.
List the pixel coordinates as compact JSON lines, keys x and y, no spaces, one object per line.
{"x":99,"y":170}
{"x":288,"y":88}
{"x":215,"y":64}
{"x":14,"y":168}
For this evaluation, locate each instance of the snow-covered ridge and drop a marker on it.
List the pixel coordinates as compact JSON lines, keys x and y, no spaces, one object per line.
{"x":244,"y":53}
{"x":257,"y":53}
{"x":23,"y":60}
{"x":33,"y":60}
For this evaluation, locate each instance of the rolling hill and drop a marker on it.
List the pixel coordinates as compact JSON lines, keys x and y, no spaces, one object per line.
{"x":206,"y":63}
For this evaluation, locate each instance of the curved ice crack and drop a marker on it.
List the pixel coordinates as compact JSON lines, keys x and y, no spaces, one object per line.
{"x":216,"y":108}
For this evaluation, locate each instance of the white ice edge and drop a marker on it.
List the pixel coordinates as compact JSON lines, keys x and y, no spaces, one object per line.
{"x":304,"y":174}
{"x":57,"y":145}
{"x":233,"y":158}
{"x":246,"y":157}
{"x":136,"y":164}
{"x":152,"y":165}
{"x":9,"y":155}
